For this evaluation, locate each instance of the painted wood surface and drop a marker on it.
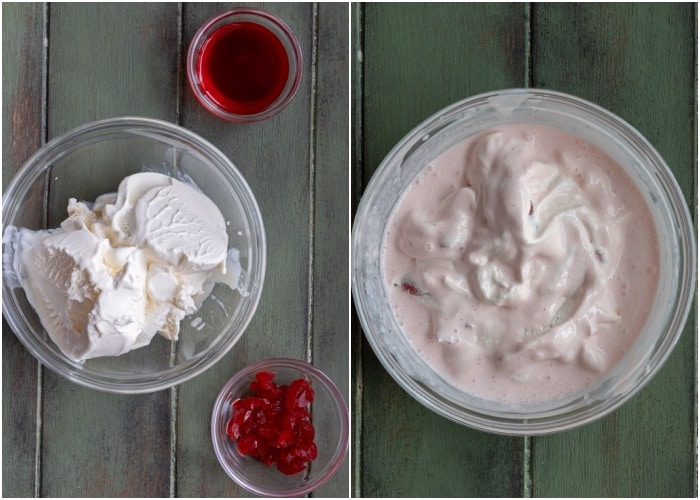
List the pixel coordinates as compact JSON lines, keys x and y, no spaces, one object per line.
{"x":418,"y":58}
{"x":103,"y":60}
{"x":23,"y":132}
{"x":636,"y":60}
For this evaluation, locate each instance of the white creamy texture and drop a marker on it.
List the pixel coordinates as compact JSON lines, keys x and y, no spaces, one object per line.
{"x":509,"y":260}
{"x":133,"y":265}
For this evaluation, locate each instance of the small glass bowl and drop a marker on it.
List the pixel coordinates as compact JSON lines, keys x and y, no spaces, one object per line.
{"x":622,"y":143}
{"x":329,"y":416}
{"x":92,"y":160}
{"x":245,"y":15}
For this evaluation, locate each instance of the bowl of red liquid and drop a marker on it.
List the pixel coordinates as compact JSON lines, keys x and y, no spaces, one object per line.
{"x":280,"y":428}
{"x":244,"y":65}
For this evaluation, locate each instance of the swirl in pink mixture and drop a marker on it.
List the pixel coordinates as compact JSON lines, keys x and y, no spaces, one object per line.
{"x":522,"y":263}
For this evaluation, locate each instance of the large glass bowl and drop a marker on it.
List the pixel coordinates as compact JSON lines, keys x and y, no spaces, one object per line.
{"x":91,"y":160}
{"x":619,"y":140}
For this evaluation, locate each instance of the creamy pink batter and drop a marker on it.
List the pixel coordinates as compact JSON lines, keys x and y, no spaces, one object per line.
{"x":521,"y":264}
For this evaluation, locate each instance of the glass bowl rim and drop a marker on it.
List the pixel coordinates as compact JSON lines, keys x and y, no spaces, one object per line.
{"x":136,"y":126}
{"x":303,"y":367}
{"x":522,"y":425}
{"x":265,"y":18}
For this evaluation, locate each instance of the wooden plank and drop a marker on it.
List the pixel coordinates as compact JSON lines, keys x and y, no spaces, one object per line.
{"x":637,"y":60}
{"x":22,"y":89}
{"x":418,"y":58}
{"x":331,"y":301}
{"x":427,"y":56}
{"x":94,"y":443}
{"x":273,"y":156}
{"x":356,"y":185}
{"x":105,"y":74}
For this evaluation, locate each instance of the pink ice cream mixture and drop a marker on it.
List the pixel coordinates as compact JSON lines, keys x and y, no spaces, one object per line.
{"x":521,"y":264}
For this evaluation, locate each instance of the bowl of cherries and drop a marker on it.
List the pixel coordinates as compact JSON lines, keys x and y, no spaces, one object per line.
{"x":280,"y":428}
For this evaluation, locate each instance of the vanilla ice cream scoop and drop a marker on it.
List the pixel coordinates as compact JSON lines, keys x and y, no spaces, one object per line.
{"x":120,"y":270}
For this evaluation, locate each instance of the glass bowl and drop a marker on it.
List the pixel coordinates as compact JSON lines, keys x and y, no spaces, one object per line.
{"x":91,"y":160}
{"x":628,"y":148}
{"x":263,"y":67}
{"x":329,"y":415}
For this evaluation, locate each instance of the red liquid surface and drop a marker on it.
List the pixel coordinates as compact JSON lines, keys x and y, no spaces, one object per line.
{"x":243,"y":68}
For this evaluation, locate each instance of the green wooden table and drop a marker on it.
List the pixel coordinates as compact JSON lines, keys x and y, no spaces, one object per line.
{"x":67,"y":64}
{"x":637,"y":60}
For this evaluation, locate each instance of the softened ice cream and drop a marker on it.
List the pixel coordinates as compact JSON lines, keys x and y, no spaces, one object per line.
{"x":521,"y":264}
{"x":117,"y":271}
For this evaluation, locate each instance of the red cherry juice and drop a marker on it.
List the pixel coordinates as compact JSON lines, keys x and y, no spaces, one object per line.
{"x":243,"y":67}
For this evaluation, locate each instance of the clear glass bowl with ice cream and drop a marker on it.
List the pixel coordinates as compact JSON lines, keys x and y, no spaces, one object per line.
{"x":133,"y":255}
{"x":523,"y":262}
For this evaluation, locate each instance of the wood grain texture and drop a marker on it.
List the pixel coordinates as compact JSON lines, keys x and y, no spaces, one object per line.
{"x":637,"y":60}
{"x":356,"y":185}
{"x":417,"y":59}
{"x":109,"y":60}
{"x":97,"y":443}
{"x":330,"y":329}
{"x":294,"y":177}
{"x":22,"y":132}
{"x":22,"y":88}
{"x":273,"y":157}
{"x":94,"y":73}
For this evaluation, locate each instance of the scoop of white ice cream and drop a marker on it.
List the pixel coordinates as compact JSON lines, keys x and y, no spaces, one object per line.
{"x":134,"y":265}
{"x":173,"y":220}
